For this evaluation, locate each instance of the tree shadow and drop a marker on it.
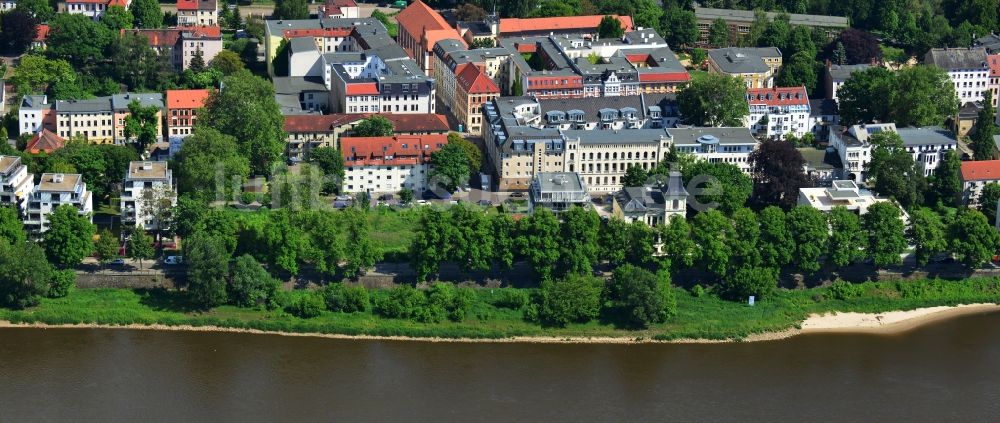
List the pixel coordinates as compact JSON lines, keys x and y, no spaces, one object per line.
{"x":161,"y":299}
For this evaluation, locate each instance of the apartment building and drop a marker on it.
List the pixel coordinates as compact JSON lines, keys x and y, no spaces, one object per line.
{"x":993,"y":61}
{"x":182,"y":108}
{"x":340,"y":9}
{"x":420,"y":28}
{"x":93,"y":9}
{"x":975,"y":176}
{"x":147,"y":194}
{"x":836,"y":75}
{"x":558,"y":192}
{"x":314,"y":131}
{"x":35,"y":114}
{"x":388,"y":164}
{"x":779,"y":111}
{"x":100,"y":120}
{"x":197,"y":12}
{"x":182,"y":44}
{"x":967,"y":68}
{"x":54,"y":190}
{"x":716,"y":145}
{"x":853,"y":147}
{"x":756,"y":66}
{"x":16,"y":184}
{"x":474,"y":88}
{"x":602,"y":157}
{"x":927,"y":145}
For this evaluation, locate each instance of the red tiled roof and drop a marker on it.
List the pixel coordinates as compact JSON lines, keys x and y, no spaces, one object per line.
{"x":186,"y":99}
{"x":473,"y":80}
{"x":563,"y":23}
{"x":121,"y":3}
{"x":993,"y":60}
{"x":187,"y":4}
{"x":664,"y":77}
{"x":426,"y":25}
{"x":403,"y":123}
{"x":778,"y":96}
{"x":984,"y":170}
{"x":45,"y":140}
{"x":390,"y":151}
{"x":361,"y":88}
{"x":527,"y":48}
{"x":204,"y":31}
{"x":43,"y":32}
{"x":157,"y":37}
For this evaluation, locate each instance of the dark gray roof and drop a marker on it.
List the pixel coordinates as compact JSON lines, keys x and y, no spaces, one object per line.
{"x":121,"y":101}
{"x":641,"y":199}
{"x":688,"y":136}
{"x":823,"y":107}
{"x":297,"y":84}
{"x":667,"y":102}
{"x":957,"y":58}
{"x":302,"y":44}
{"x":926,"y":135}
{"x":821,"y":159}
{"x":990,"y":42}
{"x":843,"y":72}
{"x":628,"y":136}
{"x":704,"y":13}
{"x":591,"y":105}
{"x":743,"y":60}
{"x":476,"y":27}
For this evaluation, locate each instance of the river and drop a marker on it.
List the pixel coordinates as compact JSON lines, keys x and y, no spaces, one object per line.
{"x":945,"y":371}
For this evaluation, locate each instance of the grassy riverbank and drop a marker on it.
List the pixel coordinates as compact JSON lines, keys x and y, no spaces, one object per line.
{"x":704,"y":317}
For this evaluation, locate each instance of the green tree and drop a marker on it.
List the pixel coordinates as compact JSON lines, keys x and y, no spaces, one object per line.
{"x":746,"y":238}
{"x":450,"y":167}
{"x":847,"y":241}
{"x":136,"y":64}
{"x":810,"y":234}
{"x":250,"y":285}
{"x":973,"y":239}
{"x":886,"y":233}
{"x":927,"y":233}
{"x":947,"y":181}
{"x":430,"y":243}
{"x":236,"y":22}
{"x":988,"y":200}
{"x":983,"y":146}
{"x":205,"y":153}
{"x":361,"y":251}
{"x":227,"y":62}
{"x":715,"y":100}
{"x":893,"y":170}
{"x":613,"y":238}
{"x":648,"y":14}
{"x":749,"y":280}
{"x":36,"y":73}
{"x":197,"y":63}
{"x":142,"y":124}
{"x":635,"y":176}
{"x":106,"y":247}
{"x":261,"y":139}
{"x":117,"y":18}
{"x":405,"y":196}
{"x":721,"y":184}
{"x":17,"y":30}
{"x":469,"y":242}
{"x":346,"y":299}
{"x":714,"y":234}
{"x":147,"y":13}
{"x":640,"y":243}
{"x":866,"y":96}
{"x":610,"y":27}
{"x":331,"y":162}
{"x":68,"y":239}
{"x":140,"y":245}
{"x":40,"y":9}
{"x":24,"y":274}
{"x":290,"y":9}
{"x":925,"y":96}
{"x":637,"y":297}
{"x":307,"y":306}
{"x":800,"y":70}
{"x":374,"y":126}
{"x":776,"y":243}
{"x":678,"y":246}
{"x":698,"y":57}
{"x":472,"y":152}
{"x":11,"y":228}
{"x":681,"y":27}
{"x":574,"y":299}
{"x":538,"y":241}
{"x":207,"y":270}
{"x":777,"y":168}
{"x":581,"y":226}
{"x":78,"y":39}
{"x":718,"y":34}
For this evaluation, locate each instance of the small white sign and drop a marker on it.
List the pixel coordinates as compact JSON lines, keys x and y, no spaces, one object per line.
{"x":751,"y":301}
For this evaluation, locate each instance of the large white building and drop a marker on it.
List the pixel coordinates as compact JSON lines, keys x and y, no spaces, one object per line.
{"x":779,"y":111}
{"x":148,"y":190}
{"x":388,"y":164}
{"x":840,"y":194}
{"x":928,"y":145}
{"x":716,"y":145}
{"x":93,"y":9}
{"x":52,"y":191}
{"x":853,"y":147}
{"x":16,"y":183}
{"x":967,"y":68}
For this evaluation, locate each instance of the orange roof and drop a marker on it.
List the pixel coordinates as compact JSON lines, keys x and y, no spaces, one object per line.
{"x":664,"y":77}
{"x":187,"y":4}
{"x":993,"y":60}
{"x":564,"y":23}
{"x":362,"y":88}
{"x":426,"y":25}
{"x":778,"y":96}
{"x":204,"y":31}
{"x":984,"y":170}
{"x":403,"y":123}
{"x":390,"y":151}
{"x":45,"y":140}
{"x":473,"y":80}
{"x":43,"y":32}
{"x":186,"y":99}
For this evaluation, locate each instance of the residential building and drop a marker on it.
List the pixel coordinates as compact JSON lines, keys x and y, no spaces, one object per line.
{"x":614,"y":113}
{"x":197,"y":12}
{"x":835,"y":76}
{"x":44,"y":141}
{"x":344,"y":9}
{"x":148,"y":192}
{"x":975,"y":176}
{"x":388,"y":164}
{"x":420,"y":27}
{"x":927,"y":145}
{"x":839,"y":194}
{"x":602,"y":157}
{"x":308,"y":132}
{"x":475,"y":88}
{"x":449,"y":55}
{"x":182,"y":44}
{"x":822,"y":166}
{"x":756,"y":66}
{"x":559,"y":25}
{"x":93,"y":9}
{"x":182,"y":111}
{"x":716,"y":145}
{"x":100,"y":120}
{"x":993,"y":61}
{"x":740,"y":21}
{"x":35,"y":113}
{"x":16,"y":183}
{"x":41,"y":37}
{"x":823,"y":113}
{"x":558,"y":191}
{"x":968,"y":114}
{"x":779,"y":111}
{"x":329,"y":35}
{"x":652,"y":204}
{"x":967,"y":68}
{"x":301,"y":95}
{"x":54,"y":190}
{"x":990,"y":42}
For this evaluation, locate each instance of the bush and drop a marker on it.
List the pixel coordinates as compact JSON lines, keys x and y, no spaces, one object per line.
{"x":511,"y":298}
{"x":307,"y":306}
{"x":401,"y":302}
{"x":845,"y":291}
{"x":346,"y":299}
{"x":250,"y":285}
{"x":637,"y":297}
{"x":577,"y":298}
{"x":697,"y":291}
{"x":446,"y":301}
{"x":62,"y":283}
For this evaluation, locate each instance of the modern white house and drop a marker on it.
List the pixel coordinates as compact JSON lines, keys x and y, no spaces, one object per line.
{"x":16,"y":183}
{"x":716,"y":145}
{"x":52,"y":191}
{"x":558,"y":191}
{"x":853,"y":147}
{"x":147,"y":191}
{"x":779,"y":111}
{"x":840,"y":194}
{"x":928,"y":145}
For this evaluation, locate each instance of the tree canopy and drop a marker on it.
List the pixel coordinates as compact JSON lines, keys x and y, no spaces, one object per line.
{"x":246,"y":110}
{"x":715,"y":100}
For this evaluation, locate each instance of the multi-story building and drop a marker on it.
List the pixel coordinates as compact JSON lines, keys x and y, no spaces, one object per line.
{"x":301,"y":95}
{"x":197,"y":12}
{"x":558,"y":191}
{"x":716,"y":145}
{"x":740,"y":21}
{"x":853,"y":147}
{"x":775,"y":112}
{"x":652,"y":204}
{"x":420,"y":28}
{"x":975,"y":176}
{"x":993,"y":61}
{"x":927,"y":145}
{"x":16,"y":183}
{"x":475,"y":88}
{"x":755,"y":66}
{"x":602,"y":157}
{"x":54,"y":190}
{"x":182,"y":44}
{"x":182,"y":111}
{"x":93,"y":9}
{"x":329,"y":35}
{"x":344,"y":9}
{"x":839,"y":194}
{"x":99,"y":120}
{"x":822,"y":166}
{"x":836,"y":75}
{"x":308,"y":132}
{"x":967,"y":68}
{"x":388,"y":164}
{"x":41,"y":37}
{"x":823,"y":113}
{"x":614,"y":113}
{"x":35,"y":114}
{"x":449,"y":55}
{"x":148,"y":192}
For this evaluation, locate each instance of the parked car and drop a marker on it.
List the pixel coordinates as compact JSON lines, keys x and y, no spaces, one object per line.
{"x":118,"y":262}
{"x":173,"y":260}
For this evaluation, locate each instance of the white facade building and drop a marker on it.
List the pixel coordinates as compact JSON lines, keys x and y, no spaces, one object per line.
{"x":93,"y":9}
{"x":32,"y":113}
{"x":148,"y":189}
{"x":853,"y":147}
{"x":776,"y":112}
{"x":840,"y":194}
{"x":927,"y":145}
{"x":716,"y":145}
{"x":388,"y":164}
{"x":16,"y":183}
{"x":52,"y":191}
{"x":975,"y":176}
{"x":967,"y":68}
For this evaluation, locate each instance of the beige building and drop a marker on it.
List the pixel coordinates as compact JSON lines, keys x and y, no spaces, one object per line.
{"x":102,"y":120}
{"x":474,"y":88}
{"x":755,"y":66}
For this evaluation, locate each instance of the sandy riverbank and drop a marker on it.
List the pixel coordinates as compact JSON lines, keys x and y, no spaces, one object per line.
{"x":879,"y":323}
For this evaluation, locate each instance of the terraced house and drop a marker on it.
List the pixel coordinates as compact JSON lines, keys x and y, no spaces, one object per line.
{"x":197,"y":12}
{"x":99,"y":120}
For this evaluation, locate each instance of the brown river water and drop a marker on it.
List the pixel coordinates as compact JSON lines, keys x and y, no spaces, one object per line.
{"x":946,"y":371}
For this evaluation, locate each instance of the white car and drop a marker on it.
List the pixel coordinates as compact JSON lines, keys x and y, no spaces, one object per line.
{"x":173,"y":260}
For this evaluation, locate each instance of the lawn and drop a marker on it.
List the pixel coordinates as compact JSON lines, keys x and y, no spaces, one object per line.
{"x":698,"y":74}
{"x":392,"y":229}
